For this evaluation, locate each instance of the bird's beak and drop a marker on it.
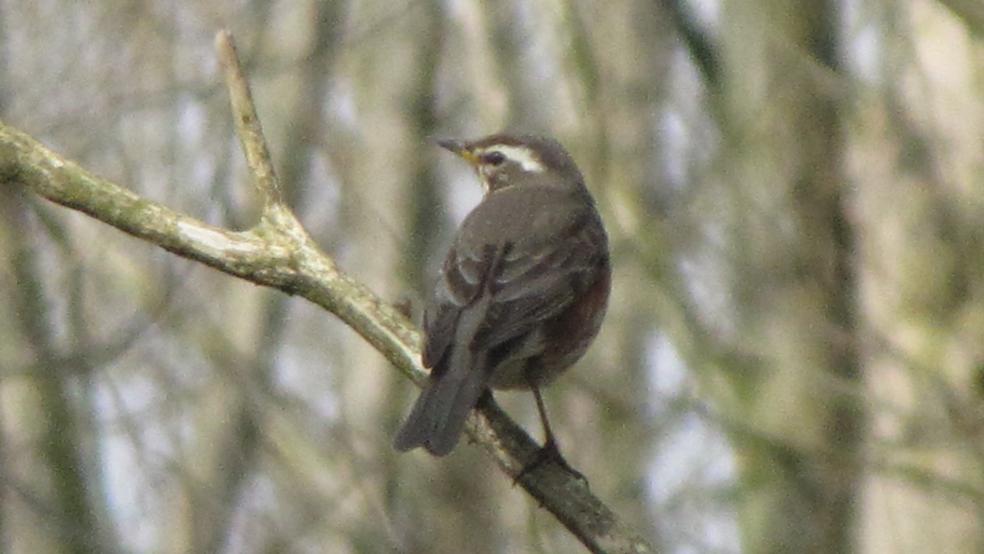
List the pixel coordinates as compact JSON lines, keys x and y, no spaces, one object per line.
{"x":460,"y":148}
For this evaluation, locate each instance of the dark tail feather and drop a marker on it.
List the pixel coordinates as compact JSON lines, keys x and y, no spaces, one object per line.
{"x":438,"y":416}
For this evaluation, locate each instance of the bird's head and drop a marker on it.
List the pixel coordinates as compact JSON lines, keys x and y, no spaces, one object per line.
{"x":503,"y":160}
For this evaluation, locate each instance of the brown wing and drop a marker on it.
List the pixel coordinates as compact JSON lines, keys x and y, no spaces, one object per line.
{"x":534,"y":271}
{"x":538,"y":282}
{"x":461,"y":281}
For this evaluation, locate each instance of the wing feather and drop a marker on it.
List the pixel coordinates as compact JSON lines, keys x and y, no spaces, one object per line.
{"x":530,"y":276}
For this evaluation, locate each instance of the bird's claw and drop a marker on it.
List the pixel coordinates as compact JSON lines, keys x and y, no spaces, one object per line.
{"x":549,"y":453}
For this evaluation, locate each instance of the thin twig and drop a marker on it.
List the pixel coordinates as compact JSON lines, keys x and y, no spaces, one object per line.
{"x":248,"y":123}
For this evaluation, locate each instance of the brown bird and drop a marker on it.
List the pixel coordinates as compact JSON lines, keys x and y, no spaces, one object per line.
{"x":522,"y":292}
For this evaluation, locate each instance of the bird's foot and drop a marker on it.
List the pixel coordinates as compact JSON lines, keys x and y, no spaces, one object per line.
{"x":549,"y":453}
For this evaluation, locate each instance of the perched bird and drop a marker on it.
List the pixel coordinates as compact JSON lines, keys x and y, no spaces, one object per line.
{"x":522,"y":292}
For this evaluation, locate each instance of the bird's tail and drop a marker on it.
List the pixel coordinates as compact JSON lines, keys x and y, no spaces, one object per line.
{"x":438,"y":416}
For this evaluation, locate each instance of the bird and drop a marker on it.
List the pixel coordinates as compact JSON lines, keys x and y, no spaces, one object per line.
{"x":522,"y":292}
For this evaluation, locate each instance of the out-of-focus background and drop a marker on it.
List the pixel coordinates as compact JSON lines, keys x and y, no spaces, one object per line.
{"x":793,"y":360}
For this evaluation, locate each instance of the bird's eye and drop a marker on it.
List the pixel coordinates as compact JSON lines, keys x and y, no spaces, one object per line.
{"x":494,"y":158}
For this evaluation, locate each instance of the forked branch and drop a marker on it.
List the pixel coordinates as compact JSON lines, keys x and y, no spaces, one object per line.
{"x":279,"y":253}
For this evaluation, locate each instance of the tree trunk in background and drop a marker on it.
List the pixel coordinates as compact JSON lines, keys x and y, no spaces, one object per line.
{"x":619,"y":56}
{"x":45,"y":410}
{"x":794,"y":279}
{"x":920,"y":213}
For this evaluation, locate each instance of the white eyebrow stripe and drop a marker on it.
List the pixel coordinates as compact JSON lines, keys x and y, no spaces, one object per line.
{"x":523,"y":156}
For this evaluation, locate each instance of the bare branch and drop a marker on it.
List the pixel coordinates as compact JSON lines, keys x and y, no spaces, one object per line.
{"x":248,"y":124}
{"x":278,"y":253}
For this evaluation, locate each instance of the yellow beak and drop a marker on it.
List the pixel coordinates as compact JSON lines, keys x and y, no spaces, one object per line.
{"x":460,"y":148}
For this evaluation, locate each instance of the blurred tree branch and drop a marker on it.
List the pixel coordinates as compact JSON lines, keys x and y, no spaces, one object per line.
{"x":279,"y":253}
{"x":701,"y":47}
{"x":970,"y":11}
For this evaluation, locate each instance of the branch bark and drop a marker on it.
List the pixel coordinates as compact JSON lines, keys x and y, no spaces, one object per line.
{"x":279,"y":253}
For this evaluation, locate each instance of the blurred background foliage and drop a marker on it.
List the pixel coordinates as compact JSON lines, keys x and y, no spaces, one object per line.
{"x":793,"y":360}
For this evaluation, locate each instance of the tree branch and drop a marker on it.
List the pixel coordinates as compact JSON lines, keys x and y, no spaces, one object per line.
{"x":970,"y":11}
{"x":701,"y":48}
{"x":248,"y":124}
{"x":279,"y":253}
